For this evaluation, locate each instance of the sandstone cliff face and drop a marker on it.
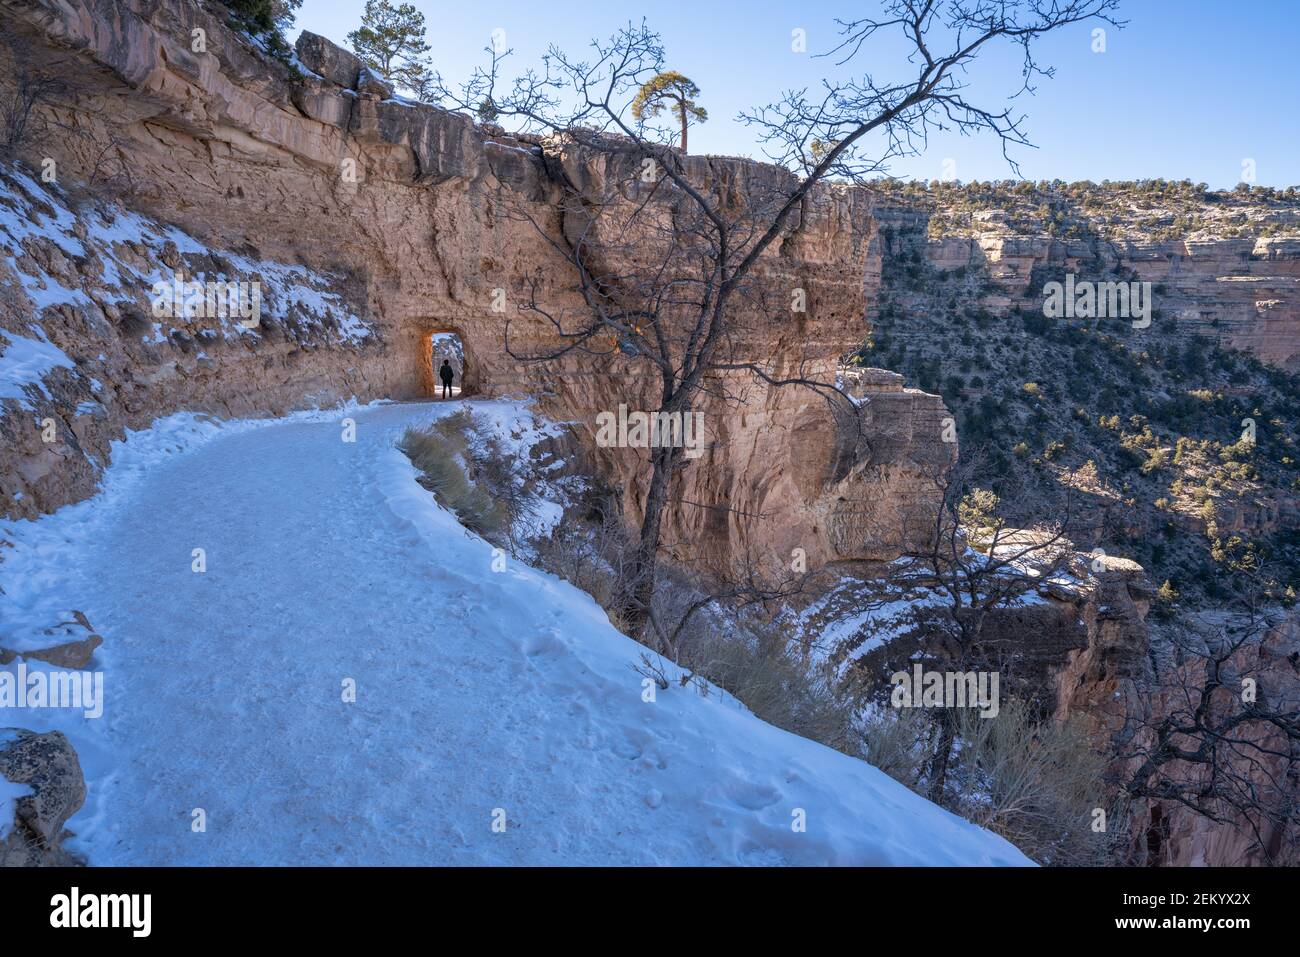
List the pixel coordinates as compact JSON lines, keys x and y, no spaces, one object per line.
{"x":408,"y":217}
{"x":1098,"y":680}
{"x":1168,"y":834}
{"x":1241,"y":293}
{"x":81,"y":284}
{"x":1107,"y":681}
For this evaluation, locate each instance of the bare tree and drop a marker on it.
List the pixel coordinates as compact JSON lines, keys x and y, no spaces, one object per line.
{"x":1220,"y":736}
{"x":111,"y":172}
{"x":675,"y":610}
{"x":664,"y":268}
{"x":976,"y":562}
{"x":21,"y":117}
{"x":976,"y":565}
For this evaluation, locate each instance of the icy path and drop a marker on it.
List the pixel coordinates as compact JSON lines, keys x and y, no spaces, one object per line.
{"x":476,"y":690}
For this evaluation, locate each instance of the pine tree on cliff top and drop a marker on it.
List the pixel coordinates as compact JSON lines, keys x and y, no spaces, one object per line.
{"x":391,"y":42}
{"x":669,"y":89}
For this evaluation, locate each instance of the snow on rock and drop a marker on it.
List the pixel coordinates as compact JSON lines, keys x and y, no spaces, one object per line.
{"x":24,"y":363}
{"x":855,"y":616}
{"x":481,"y":695}
{"x":52,"y":255}
{"x":9,"y":795}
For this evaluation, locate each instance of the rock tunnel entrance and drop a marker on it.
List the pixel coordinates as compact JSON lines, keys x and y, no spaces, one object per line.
{"x":439,"y":345}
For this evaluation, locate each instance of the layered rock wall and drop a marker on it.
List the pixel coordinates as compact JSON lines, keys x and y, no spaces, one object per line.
{"x":1241,"y":293}
{"x":417,"y":222}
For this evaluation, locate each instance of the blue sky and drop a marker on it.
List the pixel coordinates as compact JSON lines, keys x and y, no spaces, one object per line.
{"x":1189,"y":89}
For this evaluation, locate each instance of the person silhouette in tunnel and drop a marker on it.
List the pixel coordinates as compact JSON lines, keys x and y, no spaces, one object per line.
{"x":446,"y":375}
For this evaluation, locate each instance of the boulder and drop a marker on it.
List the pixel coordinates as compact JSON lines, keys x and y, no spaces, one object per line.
{"x":370,"y":83}
{"x":328,"y":60}
{"x":323,"y":101}
{"x":48,"y":766}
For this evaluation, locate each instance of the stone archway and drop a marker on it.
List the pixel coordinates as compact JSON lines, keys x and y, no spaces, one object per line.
{"x":437,"y":343}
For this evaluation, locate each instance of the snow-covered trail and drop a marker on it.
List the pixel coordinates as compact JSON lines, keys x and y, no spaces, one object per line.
{"x":479,"y":693}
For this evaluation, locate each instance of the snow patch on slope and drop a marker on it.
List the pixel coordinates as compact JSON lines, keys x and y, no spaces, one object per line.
{"x":24,"y":363}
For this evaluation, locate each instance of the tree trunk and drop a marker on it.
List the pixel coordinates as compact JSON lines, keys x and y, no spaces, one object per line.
{"x":634,"y":606}
{"x":681,"y":112}
{"x":939,"y":762}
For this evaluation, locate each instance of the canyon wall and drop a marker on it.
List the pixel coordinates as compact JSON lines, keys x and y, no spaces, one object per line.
{"x":375,"y":222}
{"x":1241,"y":293}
